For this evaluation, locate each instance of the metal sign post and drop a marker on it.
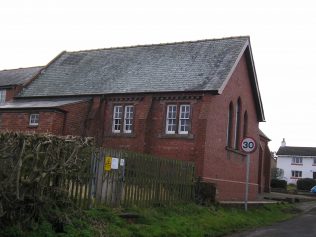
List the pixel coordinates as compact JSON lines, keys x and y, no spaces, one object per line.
{"x":247,"y":181}
{"x":248,"y":145}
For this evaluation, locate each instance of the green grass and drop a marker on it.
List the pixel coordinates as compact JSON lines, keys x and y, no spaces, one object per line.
{"x":177,"y":221}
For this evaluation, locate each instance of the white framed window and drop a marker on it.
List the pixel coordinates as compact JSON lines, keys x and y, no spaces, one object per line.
{"x":184,"y":120}
{"x":117,"y":118}
{"x":123,"y":122}
{"x":297,"y":160}
{"x":178,"y":121}
{"x":128,"y":118}
{"x":34,"y":119}
{"x":296,"y":174}
{"x":2,"y":96}
{"x":171,"y":120}
{"x":314,"y":161}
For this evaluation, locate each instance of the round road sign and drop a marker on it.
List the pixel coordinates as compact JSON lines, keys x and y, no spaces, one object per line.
{"x":248,"y":145}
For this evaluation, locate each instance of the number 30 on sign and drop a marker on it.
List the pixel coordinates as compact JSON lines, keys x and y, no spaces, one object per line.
{"x":248,"y":145}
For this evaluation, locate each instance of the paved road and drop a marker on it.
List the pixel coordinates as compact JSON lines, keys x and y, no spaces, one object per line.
{"x":302,"y":226}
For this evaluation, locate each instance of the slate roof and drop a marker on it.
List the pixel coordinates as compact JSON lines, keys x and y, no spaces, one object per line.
{"x":297,"y":151}
{"x":40,"y":103}
{"x":187,"y":66}
{"x":18,"y":76}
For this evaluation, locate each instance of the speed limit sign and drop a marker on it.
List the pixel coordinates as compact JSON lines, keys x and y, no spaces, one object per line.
{"x":248,"y":145}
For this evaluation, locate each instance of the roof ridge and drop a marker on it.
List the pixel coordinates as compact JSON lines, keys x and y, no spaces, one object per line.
{"x":161,"y":44}
{"x":20,"y":68}
{"x":299,"y":146}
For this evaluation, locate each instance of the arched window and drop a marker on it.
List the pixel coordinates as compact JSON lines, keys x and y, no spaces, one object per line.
{"x":237,"y":126}
{"x":230,"y":125}
{"x":245,"y":124}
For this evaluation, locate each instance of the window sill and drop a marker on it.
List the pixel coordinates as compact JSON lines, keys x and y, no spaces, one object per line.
{"x":296,"y":164}
{"x":235,"y":151}
{"x":176,"y":136}
{"x":295,"y":177}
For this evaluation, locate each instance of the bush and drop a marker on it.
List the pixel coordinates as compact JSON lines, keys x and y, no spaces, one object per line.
{"x":305,"y":184}
{"x":35,"y":170}
{"x":278,"y":183}
{"x":205,"y":193}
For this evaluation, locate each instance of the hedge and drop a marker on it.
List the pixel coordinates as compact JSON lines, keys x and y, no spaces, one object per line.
{"x":32,"y":170}
{"x":305,"y":184}
{"x":278,"y":183}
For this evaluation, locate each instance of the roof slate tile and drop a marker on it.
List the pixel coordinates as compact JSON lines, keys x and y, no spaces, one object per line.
{"x":18,"y":76}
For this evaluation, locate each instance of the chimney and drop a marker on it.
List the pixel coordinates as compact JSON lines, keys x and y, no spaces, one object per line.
{"x":283,"y":143}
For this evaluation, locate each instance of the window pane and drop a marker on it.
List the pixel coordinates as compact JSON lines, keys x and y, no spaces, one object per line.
{"x":117,"y":117}
{"x":34,"y":119}
{"x":297,"y":160}
{"x":296,"y":174}
{"x":2,"y":96}
{"x":184,"y":120}
{"x":171,"y":119}
{"x":128,"y":121}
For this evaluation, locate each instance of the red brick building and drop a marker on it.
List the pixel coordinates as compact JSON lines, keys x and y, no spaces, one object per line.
{"x":189,"y":101}
{"x":12,"y":81}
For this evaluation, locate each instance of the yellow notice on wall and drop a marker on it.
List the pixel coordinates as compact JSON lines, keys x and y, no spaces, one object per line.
{"x":107,"y":163}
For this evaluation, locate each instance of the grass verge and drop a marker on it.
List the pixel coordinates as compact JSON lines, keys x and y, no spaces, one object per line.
{"x":177,"y":221}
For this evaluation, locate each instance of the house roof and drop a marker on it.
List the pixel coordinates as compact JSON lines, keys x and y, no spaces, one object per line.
{"x":264,"y":135}
{"x":296,"y":151}
{"x":204,"y":65}
{"x":40,"y":103}
{"x":18,"y":76}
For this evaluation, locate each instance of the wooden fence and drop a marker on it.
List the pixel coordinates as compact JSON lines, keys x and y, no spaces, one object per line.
{"x":120,"y":178}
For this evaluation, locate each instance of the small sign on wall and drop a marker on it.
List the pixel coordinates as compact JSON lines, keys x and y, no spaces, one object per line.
{"x":107,"y":163}
{"x":115,"y":163}
{"x":122,"y":162}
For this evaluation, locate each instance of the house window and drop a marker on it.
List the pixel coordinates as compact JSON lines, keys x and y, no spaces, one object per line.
{"x":2,"y":96}
{"x":314,"y":161}
{"x":230,"y":125}
{"x":178,"y":124}
{"x":184,"y":120}
{"x":128,"y":118}
{"x":296,"y":174}
{"x":121,"y":120}
{"x":237,"y":127}
{"x":245,"y":124}
{"x":34,"y":119}
{"x":297,"y":160}
{"x":171,"y":120}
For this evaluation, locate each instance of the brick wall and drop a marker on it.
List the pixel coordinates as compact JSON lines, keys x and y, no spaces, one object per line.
{"x":76,"y":116}
{"x":182,"y":147}
{"x":227,"y":167}
{"x":134,"y":141}
{"x":12,"y":92}
{"x":70,"y":122}
{"x":49,"y":122}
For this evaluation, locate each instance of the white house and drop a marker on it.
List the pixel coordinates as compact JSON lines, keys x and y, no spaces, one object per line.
{"x":297,"y":162}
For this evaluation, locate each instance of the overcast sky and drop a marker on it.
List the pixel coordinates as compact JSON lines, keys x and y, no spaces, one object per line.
{"x":282,"y":33}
